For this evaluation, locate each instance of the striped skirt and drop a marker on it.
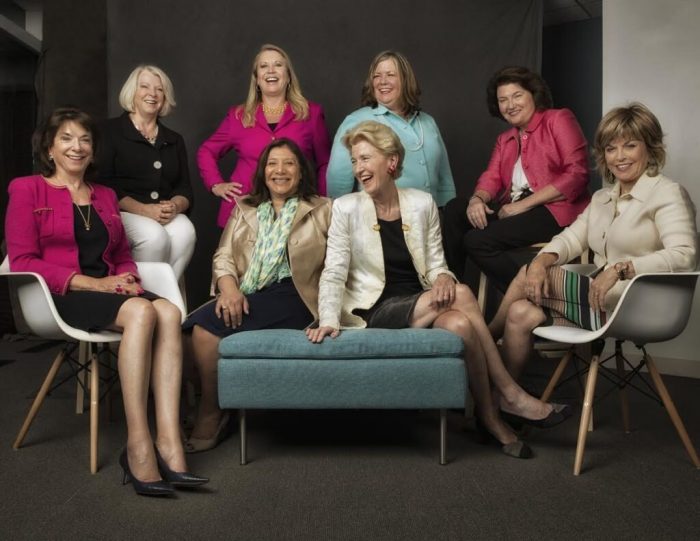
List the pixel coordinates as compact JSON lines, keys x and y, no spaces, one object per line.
{"x":567,"y":304}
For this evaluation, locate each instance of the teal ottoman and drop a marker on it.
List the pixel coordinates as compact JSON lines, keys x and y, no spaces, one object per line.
{"x":361,"y":369}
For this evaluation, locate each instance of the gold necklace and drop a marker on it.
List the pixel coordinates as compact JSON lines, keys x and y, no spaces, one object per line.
{"x":277,"y":110}
{"x":86,"y":222}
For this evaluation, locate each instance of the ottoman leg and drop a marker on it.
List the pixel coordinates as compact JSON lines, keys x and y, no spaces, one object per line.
{"x":244,"y":442}
{"x":443,"y":436}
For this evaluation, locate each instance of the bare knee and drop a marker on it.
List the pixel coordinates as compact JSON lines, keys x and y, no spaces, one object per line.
{"x":457,"y":323}
{"x":168,"y":314}
{"x":465,"y":298}
{"x":137,"y":313}
{"x":523,"y":316}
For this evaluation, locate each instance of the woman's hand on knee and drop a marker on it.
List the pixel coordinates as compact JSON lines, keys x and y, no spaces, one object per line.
{"x":536,"y":282}
{"x":231,"y":306}
{"x":443,"y":292}
{"x":477,"y":211}
{"x":319,"y":333}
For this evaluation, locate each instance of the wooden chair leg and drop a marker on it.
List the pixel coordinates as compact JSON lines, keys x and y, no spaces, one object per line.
{"x":624,"y":404}
{"x":39,"y":399}
{"x":82,"y":378}
{"x":94,"y":409}
{"x":586,"y":413}
{"x":556,"y":376}
{"x":672,"y":411}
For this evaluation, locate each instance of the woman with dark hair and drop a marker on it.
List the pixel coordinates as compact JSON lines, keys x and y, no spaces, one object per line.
{"x":535,"y":184}
{"x":275,"y":108}
{"x":642,"y":222}
{"x":265,"y":272}
{"x":69,"y":231}
{"x":391,"y":95}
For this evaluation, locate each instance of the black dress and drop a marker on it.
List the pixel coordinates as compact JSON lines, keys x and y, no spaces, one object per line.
{"x":394,"y":308}
{"x":91,"y":310}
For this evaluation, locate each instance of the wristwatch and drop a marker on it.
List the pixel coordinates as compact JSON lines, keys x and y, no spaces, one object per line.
{"x":621,"y":270}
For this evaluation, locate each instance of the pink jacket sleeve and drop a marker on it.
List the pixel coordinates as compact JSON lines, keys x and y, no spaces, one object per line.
{"x":211,"y":151}
{"x":120,"y":254}
{"x":491,"y":180}
{"x":572,"y":179}
{"x":25,"y":222}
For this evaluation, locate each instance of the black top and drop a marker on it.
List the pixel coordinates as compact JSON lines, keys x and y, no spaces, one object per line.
{"x":91,"y":243}
{"x":133,"y":167}
{"x":399,"y":270}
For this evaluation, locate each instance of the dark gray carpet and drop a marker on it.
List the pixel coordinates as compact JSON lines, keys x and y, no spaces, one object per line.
{"x":352,"y":475}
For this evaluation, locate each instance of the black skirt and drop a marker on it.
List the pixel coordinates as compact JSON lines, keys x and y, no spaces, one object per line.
{"x":93,"y":310}
{"x":277,"y":306}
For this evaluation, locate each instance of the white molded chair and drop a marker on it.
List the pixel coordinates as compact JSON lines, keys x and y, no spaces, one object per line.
{"x":654,"y":307}
{"x":40,"y":314}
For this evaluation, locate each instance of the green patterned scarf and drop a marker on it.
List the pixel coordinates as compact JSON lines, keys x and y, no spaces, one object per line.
{"x":269,"y":262}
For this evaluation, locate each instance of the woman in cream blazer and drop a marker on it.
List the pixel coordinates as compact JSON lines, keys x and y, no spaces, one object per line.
{"x":385,"y":268}
{"x":643,"y":223}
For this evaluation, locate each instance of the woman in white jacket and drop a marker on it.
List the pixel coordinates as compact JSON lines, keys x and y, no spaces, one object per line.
{"x":385,"y":268}
{"x":643,"y":222}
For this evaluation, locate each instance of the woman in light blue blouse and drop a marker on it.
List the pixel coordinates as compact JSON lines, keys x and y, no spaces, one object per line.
{"x":391,"y":96}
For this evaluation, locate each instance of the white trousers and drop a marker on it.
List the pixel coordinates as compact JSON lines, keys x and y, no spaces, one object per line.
{"x":171,"y":243}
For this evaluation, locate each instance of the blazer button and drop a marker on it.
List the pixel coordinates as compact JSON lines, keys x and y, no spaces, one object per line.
{"x":157,"y":164}
{"x":154,"y":196}
{"x":295,"y":242}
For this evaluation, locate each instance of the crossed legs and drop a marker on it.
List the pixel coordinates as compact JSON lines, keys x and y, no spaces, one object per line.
{"x":491,"y":384}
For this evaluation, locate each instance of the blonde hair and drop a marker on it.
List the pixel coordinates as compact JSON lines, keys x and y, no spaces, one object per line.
{"x":381,"y":137}
{"x":128,"y":91}
{"x":635,"y":121}
{"x":297,"y":101}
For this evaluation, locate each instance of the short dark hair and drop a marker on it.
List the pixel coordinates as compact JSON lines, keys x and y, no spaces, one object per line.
{"x":528,"y":79}
{"x":44,"y":136}
{"x":307,"y":184}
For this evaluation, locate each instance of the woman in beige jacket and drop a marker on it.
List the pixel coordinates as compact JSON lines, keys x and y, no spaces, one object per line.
{"x":265,"y":271}
{"x":643,"y":222}
{"x":385,"y":268}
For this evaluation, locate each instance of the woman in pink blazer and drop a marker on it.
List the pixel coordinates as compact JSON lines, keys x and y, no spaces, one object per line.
{"x":536,"y":182}
{"x":275,"y":108}
{"x":70,"y":232}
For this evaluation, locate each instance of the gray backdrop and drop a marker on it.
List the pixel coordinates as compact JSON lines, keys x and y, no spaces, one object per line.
{"x":207,"y":49}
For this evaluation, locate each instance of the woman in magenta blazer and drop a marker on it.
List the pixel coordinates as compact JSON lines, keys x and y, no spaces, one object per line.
{"x":275,"y":108}
{"x":536,"y":182}
{"x":69,"y":231}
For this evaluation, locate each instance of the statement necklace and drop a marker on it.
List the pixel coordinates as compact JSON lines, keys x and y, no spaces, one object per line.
{"x":86,"y":221}
{"x":276,"y":110}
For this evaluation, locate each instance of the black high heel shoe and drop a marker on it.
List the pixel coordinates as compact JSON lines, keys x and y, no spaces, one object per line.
{"x":151,"y":488}
{"x":516,"y":449}
{"x":181,"y":479}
